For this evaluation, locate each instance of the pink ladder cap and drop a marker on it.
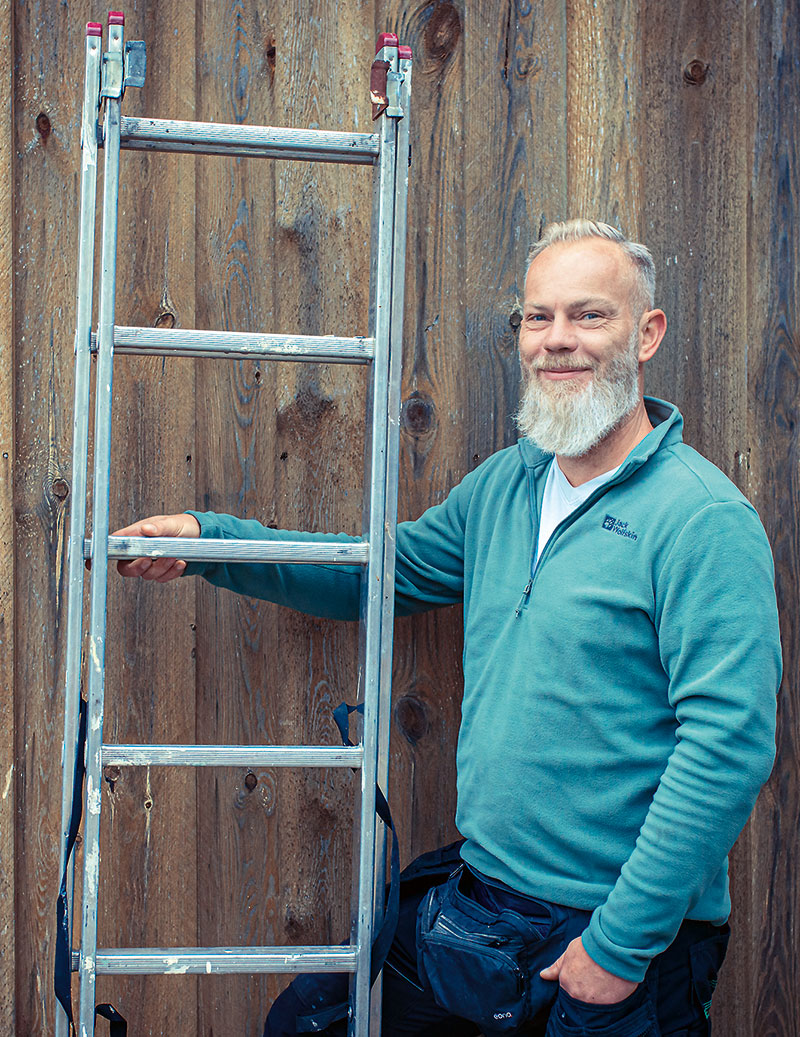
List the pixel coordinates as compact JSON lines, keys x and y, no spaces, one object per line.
{"x":94,"y":29}
{"x":116,"y":18}
{"x":404,"y":52}
{"x":386,"y":39}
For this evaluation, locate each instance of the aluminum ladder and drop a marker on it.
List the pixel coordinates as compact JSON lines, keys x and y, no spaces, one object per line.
{"x":108,"y":73}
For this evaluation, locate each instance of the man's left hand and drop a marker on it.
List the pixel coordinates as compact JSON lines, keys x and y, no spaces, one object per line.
{"x":585,"y":980}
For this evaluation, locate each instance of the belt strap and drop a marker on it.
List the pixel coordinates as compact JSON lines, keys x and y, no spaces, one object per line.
{"x":62,"y":980}
{"x":383,"y":938}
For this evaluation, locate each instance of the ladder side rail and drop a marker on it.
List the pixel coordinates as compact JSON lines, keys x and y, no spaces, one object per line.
{"x":80,"y":457}
{"x":393,"y":430}
{"x":372,"y":595}
{"x":392,"y":471}
{"x":99,"y":573}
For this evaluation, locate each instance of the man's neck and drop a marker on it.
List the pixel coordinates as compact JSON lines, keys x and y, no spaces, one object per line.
{"x":611,"y":451}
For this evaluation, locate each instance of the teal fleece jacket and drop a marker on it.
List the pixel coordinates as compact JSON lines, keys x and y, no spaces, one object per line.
{"x":618,"y":716}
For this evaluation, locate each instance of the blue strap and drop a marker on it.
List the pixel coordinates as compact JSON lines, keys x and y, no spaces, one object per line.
{"x":382,"y":942}
{"x":62,"y":980}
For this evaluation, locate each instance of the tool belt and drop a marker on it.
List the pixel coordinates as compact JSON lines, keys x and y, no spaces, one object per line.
{"x":484,"y":965}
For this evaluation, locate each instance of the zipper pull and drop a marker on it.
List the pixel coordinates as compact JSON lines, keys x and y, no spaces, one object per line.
{"x":523,"y":601}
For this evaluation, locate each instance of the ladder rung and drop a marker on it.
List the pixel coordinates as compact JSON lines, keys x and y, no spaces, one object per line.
{"x":232,"y":755}
{"x":241,"y":345}
{"x":298,"y":552}
{"x":221,"y":960}
{"x":208,"y":138}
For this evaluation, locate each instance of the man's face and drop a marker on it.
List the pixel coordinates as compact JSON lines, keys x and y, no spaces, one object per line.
{"x":579,"y":345}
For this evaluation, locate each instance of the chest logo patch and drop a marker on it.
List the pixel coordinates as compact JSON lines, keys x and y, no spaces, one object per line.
{"x":622,"y":529}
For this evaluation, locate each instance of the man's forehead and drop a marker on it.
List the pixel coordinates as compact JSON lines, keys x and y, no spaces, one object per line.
{"x":591,"y":267}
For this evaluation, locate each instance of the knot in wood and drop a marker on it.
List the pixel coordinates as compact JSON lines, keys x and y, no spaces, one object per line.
{"x":60,"y":489}
{"x":250,"y":781}
{"x":411,"y":717}
{"x":515,"y":319}
{"x":165,"y":319}
{"x":696,"y":72}
{"x":442,"y":32}
{"x":417,"y":414}
{"x":43,"y":126}
{"x":269,"y":50}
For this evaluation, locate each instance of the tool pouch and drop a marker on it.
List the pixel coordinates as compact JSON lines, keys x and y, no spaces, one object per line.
{"x":481,"y":965}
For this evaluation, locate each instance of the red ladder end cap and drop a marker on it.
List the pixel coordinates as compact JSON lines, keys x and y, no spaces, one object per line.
{"x":404,"y":52}
{"x":94,"y":29}
{"x":386,"y":39}
{"x":116,"y":18}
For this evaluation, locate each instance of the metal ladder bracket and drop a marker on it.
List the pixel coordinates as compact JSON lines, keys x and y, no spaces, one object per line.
{"x":135,"y":64}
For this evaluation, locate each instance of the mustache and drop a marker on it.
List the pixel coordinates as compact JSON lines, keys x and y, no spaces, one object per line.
{"x":561,"y":365}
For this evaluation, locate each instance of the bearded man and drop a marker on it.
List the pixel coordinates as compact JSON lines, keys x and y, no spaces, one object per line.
{"x":621,"y":661}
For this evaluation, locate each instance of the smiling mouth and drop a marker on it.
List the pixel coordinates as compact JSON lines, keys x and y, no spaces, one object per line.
{"x":562,"y":372}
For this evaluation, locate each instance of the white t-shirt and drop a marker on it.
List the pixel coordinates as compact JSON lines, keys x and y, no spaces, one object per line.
{"x":561,"y":498}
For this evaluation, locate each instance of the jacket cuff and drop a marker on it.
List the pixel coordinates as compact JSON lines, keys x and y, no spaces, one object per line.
{"x":208,"y":529}
{"x":625,"y":962}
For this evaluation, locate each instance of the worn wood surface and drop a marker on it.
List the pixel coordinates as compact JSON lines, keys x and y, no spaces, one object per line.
{"x":761,"y":992}
{"x":150,"y":835}
{"x":7,"y":689}
{"x":677,"y":122}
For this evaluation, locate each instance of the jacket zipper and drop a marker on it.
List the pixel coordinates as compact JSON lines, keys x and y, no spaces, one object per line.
{"x":534,"y":506}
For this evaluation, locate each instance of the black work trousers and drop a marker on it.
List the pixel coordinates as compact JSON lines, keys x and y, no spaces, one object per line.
{"x":674,"y":999}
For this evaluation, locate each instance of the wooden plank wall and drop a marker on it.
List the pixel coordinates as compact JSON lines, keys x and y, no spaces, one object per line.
{"x":676,"y":121}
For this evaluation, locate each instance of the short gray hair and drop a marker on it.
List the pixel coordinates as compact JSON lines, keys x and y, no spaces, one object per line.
{"x":578,"y":230}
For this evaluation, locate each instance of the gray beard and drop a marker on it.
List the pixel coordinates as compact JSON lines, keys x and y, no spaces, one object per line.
{"x":561,"y":419}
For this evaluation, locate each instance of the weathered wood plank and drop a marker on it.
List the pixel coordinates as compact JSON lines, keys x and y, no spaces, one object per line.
{"x":148,"y":837}
{"x":7,"y":413}
{"x":605,"y":115}
{"x":760,"y":994}
{"x":427,"y":668}
{"x":287,"y":254}
{"x":694,"y":195}
{"x":48,"y":54}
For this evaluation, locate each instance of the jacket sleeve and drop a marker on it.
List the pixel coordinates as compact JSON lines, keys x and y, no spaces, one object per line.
{"x":429,"y":563}
{"x":719,"y":641}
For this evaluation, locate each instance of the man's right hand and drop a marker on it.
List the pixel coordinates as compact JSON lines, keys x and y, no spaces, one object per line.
{"x":162,"y":570}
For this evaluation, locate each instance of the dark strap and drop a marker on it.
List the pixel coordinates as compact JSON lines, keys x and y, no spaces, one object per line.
{"x":62,"y":980}
{"x":117,"y":1027}
{"x":383,"y":938}
{"x":63,"y":965}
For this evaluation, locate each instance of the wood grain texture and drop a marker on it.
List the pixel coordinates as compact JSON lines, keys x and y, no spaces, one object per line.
{"x":695,"y":192}
{"x":7,"y":755}
{"x":676,"y":121}
{"x":148,"y":876}
{"x":427,"y":669}
{"x":288,"y":251}
{"x":760,"y":995}
{"x":605,"y":118}
{"x":48,"y":53}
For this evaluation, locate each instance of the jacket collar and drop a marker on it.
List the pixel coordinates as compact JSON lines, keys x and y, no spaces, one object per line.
{"x":667,"y":430}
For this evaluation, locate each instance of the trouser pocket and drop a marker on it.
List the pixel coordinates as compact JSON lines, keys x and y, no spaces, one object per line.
{"x":706,"y":959}
{"x":633,"y":1017}
{"x":476,"y":963}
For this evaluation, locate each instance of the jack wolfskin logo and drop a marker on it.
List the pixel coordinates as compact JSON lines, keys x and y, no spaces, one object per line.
{"x":615,"y":525}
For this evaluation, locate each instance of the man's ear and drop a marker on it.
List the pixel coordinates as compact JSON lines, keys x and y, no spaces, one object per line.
{"x":652,"y":327}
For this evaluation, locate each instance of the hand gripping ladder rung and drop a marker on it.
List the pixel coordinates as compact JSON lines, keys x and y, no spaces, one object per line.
{"x":108,"y":73}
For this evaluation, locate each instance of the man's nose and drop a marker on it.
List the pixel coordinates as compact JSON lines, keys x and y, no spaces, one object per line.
{"x":561,"y":335}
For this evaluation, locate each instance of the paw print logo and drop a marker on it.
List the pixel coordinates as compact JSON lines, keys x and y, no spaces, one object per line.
{"x":608,"y":522}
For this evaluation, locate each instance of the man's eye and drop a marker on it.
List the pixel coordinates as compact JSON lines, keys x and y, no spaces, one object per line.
{"x":536,"y":318}
{"x":591,"y":315}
